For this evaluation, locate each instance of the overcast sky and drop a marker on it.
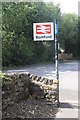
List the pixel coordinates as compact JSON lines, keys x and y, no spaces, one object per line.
{"x":67,"y":6}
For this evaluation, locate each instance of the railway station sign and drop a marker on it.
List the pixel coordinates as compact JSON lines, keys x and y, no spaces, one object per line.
{"x":43,"y":31}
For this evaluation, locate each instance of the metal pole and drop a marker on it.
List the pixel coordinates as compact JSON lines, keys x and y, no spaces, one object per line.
{"x":56,"y":49}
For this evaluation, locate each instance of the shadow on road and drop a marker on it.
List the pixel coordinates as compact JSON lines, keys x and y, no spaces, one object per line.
{"x":68,"y":105}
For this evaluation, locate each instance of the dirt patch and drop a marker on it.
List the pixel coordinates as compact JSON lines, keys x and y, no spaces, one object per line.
{"x":30,"y":109}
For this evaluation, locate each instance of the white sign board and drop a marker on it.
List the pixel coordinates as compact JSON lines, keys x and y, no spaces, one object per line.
{"x":43,"y":31}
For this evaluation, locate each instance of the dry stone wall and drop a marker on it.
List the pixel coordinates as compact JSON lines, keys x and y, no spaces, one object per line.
{"x":64,"y":56}
{"x":24,"y":85}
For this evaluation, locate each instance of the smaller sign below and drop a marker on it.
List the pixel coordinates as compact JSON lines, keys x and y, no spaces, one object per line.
{"x":43,"y":31}
{"x":56,"y":28}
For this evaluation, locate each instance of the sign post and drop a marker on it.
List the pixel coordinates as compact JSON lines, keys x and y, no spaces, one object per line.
{"x":56,"y":49}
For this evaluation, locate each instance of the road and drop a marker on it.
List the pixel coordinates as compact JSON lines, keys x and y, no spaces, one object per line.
{"x":68,"y":81}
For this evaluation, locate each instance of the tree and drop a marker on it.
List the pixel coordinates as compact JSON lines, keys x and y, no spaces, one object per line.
{"x":18,"y":47}
{"x":79,"y":38}
{"x":69,"y":33}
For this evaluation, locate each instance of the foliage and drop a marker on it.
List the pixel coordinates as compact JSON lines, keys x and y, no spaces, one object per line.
{"x":69,"y":33}
{"x":4,"y":79}
{"x":18,"y":47}
{"x":79,"y":37}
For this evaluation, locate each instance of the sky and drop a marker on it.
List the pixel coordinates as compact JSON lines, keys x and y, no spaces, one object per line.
{"x":67,"y":6}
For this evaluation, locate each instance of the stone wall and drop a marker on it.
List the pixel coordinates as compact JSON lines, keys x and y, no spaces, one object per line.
{"x":65,"y":56}
{"x":24,"y":85}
